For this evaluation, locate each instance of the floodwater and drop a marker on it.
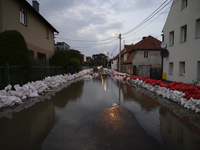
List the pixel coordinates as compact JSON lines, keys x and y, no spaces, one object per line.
{"x":62,"y":119}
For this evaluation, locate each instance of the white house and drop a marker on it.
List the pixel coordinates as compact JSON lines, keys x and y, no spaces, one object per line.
{"x":181,"y":32}
{"x":61,"y":46}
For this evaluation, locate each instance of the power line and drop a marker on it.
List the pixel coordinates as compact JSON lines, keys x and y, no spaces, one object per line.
{"x":67,"y":39}
{"x":148,"y":23}
{"x":115,"y":47}
{"x":149,"y":17}
{"x":94,"y":45}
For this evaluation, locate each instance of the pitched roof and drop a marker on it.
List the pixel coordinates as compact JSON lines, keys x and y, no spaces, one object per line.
{"x":130,"y":58}
{"x":129,"y":48}
{"x":148,"y":43}
{"x":117,"y":56}
{"x":38,"y":14}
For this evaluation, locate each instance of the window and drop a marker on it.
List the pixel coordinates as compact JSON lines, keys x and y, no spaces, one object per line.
{"x":183,"y":4}
{"x":182,"y":68}
{"x":197,"y":28}
{"x":198,"y":70}
{"x":183,"y":33}
{"x":41,"y":56}
{"x":46,"y":33}
{"x":171,"y":66}
{"x":22,"y":16}
{"x":146,"y":54}
{"x":31,"y":53}
{"x":171,"y":38}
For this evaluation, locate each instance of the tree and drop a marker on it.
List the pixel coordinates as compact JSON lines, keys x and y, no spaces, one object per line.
{"x":60,"y":58}
{"x":76,"y":63}
{"x":13,"y":49}
{"x":75,"y":54}
{"x":100,"y":59}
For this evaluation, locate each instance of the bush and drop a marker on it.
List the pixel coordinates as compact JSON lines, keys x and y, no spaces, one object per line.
{"x":76,"y":63}
{"x":37,"y":62}
{"x":13,"y":49}
{"x":60,"y":58}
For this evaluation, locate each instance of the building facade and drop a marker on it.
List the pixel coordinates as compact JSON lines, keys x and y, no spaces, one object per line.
{"x":37,"y":31}
{"x":138,"y":59}
{"x":182,"y":36}
{"x":61,"y":46}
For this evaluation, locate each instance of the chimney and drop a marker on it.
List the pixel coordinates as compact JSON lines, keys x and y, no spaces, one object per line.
{"x":144,"y":37}
{"x":35,"y":5}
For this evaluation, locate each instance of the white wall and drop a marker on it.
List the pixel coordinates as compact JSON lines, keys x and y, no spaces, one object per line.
{"x":114,"y":64}
{"x":153,"y":59}
{"x":189,"y":51}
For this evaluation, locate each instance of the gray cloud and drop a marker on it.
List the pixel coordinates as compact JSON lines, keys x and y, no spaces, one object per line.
{"x":95,"y":19}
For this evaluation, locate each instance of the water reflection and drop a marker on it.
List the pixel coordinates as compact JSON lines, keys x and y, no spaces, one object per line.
{"x":71,"y":93}
{"x":178,"y":133}
{"x":179,"y":127}
{"x":65,"y":120}
{"x":28,"y":128}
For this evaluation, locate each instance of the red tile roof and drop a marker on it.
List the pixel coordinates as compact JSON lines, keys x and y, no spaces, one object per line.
{"x":117,"y":56}
{"x":147,"y":43}
{"x":129,"y":48}
{"x":130,"y":58}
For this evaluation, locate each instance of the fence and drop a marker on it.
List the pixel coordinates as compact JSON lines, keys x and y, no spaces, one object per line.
{"x":155,"y":73}
{"x":16,"y":75}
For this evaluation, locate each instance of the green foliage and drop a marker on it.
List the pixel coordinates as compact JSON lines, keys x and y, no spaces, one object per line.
{"x":60,"y":58}
{"x":13,"y":49}
{"x":76,"y":63}
{"x":75,"y":54}
{"x":38,"y":62}
{"x":195,"y":83}
{"x":99,"y":59}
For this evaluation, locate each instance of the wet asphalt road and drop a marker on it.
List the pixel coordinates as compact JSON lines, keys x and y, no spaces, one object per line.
{"x":118,"y":129}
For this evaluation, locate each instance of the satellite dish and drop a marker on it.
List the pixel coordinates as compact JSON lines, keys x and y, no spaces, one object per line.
{"x":163,"y":45}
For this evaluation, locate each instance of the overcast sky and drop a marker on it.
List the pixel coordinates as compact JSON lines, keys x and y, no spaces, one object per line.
{"x":88,"y":25}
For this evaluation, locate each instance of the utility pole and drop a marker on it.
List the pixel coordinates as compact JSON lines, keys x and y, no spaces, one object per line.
{"x":119,"y":52}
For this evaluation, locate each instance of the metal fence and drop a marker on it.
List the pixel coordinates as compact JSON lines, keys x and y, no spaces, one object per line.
{"x":16,"y":75}
{"x":155,"y":73}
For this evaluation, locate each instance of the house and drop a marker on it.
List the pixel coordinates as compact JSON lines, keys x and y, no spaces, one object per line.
{"x":138,"y":59}
{"x":37,"y":31}
{"x":61,"y":46}
{"x":115,"y":61}
{"x":181,"y":33}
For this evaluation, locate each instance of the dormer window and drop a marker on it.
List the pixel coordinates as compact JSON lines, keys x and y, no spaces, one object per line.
{"x":22,"y":16}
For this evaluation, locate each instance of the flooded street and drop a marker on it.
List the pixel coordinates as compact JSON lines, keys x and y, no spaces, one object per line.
{"x":95,"y":114}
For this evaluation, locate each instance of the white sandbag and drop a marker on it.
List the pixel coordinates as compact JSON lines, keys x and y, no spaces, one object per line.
{"x":33,"y":95}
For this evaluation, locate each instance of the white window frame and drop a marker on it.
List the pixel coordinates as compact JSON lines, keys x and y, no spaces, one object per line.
{"x":171,"y":67}
{"x":181,"y":68}
{"x":171,"y":38}
{"x":23,"y":15}
{"x":183,"y":37}
{"x":146,"y":54}
{"x":197,"y":28}
{"x":46,"y":33}
{"x":183,"y":4}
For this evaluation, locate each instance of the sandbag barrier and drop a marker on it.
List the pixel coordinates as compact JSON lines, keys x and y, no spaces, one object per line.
{"x":9,"y":97}
{"x":187,"y":96}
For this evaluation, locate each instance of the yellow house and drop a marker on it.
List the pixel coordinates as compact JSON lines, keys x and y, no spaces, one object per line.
{"x":38,"y":32}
